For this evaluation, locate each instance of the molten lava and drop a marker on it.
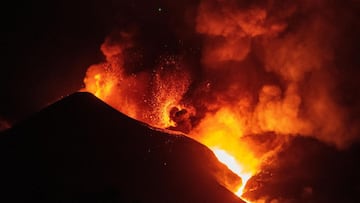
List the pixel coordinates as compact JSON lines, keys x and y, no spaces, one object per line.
{"x":161,"y":107}
{"x":222,"y":132}
{"x":235,"y":167}
{"x":253,"y":74}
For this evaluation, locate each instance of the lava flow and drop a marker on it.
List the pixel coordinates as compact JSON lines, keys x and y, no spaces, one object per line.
{"x":161,"y":105}
{"x":234,"y":166}
{"x":257,"y":77}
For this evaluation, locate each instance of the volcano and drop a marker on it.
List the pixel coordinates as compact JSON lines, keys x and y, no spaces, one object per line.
{"x":79,"y":149}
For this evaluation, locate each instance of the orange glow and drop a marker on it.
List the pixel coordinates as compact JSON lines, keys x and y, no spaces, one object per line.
{"x":222,"y":133}
{"x":250,"y":77}
{"x":167,"y":92}
{"x":165,"y":115}
{"x":101,"y":84}
{"x":131,"y":94}
{"x":235,"y":167}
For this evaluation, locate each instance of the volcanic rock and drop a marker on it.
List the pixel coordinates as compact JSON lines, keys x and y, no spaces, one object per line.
{"x":307,"y":170}
{"x":79,"y":149}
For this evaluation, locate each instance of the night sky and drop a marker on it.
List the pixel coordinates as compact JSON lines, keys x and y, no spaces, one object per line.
{"x":46,"y":47}
{"x":45,"y":50}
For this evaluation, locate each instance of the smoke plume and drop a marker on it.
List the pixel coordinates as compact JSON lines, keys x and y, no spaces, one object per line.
{"x":283,"y":61}
{"x":229,"y":71}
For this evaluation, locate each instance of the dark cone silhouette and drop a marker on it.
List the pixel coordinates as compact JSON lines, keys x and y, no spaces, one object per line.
{"x":81,"y":150}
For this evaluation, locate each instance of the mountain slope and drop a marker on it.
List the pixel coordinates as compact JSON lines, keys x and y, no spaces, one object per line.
{"x":81,"y":150}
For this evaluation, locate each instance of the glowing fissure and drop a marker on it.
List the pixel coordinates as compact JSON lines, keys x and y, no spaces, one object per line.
{"x":251,"y":77}
{"x":220,"y":131}
{"x":235,"y":167}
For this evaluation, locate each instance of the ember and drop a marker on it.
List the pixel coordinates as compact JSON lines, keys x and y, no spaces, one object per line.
{"x":260,"y":72}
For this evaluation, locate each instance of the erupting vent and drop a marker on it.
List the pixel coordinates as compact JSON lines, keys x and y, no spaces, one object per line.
{"x":260,"y":76}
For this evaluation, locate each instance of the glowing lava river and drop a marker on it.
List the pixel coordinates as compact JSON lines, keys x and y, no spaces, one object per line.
{"x":235,"y":167}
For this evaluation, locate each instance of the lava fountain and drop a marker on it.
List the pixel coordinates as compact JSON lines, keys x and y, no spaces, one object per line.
{"x":251,"y":76}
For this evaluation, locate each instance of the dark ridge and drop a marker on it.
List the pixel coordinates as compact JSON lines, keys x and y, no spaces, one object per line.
{"x":307,"y":170}
{"x":79,"y":149}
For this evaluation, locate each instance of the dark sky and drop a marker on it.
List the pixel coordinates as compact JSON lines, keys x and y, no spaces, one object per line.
{"x":46,"y":46}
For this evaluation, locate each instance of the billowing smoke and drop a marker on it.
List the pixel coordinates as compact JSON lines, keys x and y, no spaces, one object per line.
{"x":234,"y":70}
{"x":146,"y":95}
{"x":283,"y":57}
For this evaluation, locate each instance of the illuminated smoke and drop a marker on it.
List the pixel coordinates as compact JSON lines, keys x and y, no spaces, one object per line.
{"x":295,"y":62}
{"x":147,"y":95}
{"x":265,"y":68}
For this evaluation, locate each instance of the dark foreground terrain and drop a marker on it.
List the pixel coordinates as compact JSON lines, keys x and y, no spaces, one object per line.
{"x":81,"y":150}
